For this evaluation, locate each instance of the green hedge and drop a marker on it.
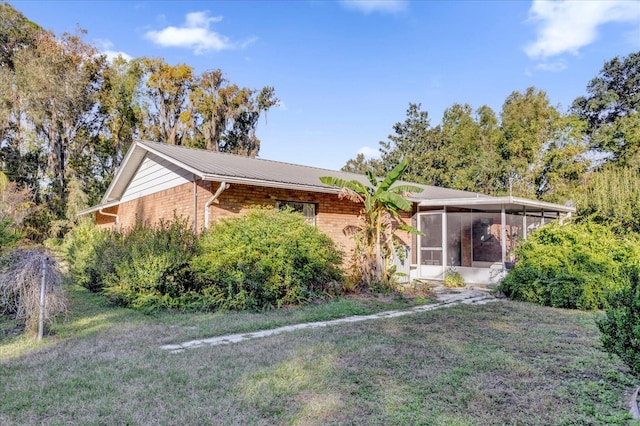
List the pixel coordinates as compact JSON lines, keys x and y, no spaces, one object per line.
{"x":620,"y":327}
{"x":569,"y":266}
{"x":265,"y":258}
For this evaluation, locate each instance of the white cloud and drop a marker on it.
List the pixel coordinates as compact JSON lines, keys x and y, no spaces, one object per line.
{"x":369,"y":152}
{"x":112,"y":54}
{"x":370,"y":6}
{"x":106,"y":48}
{"x":556,"y":66}
{"x":195,"y":34}
{"x":566,"y":25}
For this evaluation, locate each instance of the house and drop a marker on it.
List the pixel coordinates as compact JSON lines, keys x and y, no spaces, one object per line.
{"x":474,"y":233}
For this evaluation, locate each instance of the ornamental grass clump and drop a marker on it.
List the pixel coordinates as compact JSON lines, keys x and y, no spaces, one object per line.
{"x":20,"y":286}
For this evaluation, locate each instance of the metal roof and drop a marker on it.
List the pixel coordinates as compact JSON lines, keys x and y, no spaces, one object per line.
{"x":216,"y":166}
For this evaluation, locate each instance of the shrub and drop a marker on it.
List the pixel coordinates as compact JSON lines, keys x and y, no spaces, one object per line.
{"x":569,"y":266}
{"x":265,"y":258}
{"x":150,"y":271}
{"x":20,"y":286}
{"x":453,"y":279}
{"x":620,"y":327}
{"x":92,"y":253}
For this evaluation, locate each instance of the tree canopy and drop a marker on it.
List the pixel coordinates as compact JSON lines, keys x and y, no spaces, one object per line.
{"x":68,"y":115}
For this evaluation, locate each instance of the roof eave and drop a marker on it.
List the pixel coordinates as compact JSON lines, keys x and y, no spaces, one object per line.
{"x":479,"y":202}
{"x":270,"y":184}
{"x":98,"y":208}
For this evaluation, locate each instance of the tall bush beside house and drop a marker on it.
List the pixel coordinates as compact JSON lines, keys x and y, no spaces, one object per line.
{"x":620,"y":327}
{"x":569,"y":266}
{"x":264,"y":258}
{"x":151,"y":271}
{"x":91,"y":253}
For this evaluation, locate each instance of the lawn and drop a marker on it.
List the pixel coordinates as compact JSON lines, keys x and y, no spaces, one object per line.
{"x":500,"y":363}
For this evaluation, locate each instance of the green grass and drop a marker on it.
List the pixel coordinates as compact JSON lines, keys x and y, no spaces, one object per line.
{"x":501,"y":363}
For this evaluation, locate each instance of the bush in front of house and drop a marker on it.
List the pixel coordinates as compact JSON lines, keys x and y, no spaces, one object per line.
{"x":92,"y":253}
{"x":265,"y":258}
{"x":620,"y":327}
{"x":569,"y":266}
{"x":151,"y":271}
{"x":145,"y":267}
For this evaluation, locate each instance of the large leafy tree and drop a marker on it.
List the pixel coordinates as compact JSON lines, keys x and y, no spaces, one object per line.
{"x":611,"y":109}
{"x":375,"y":237}
{"x":529,"y":122}
{"x":224,"y":117}
{"x":361,"y":164}
{"x":168,"y":88}
{"x":419,"y":144}
{"x":16,"y":33}
{"x":58,"y":82}
{"x":470,"y":158}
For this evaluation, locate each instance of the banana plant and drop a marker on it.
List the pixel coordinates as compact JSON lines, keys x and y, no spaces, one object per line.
{"x":379,"y":219}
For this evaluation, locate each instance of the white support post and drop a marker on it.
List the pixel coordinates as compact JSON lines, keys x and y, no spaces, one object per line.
{"x":42,"y":292}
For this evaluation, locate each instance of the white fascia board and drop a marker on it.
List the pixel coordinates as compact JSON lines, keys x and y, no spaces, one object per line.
{"x":271,"y":184}
{"x":170,"y":159}
{"x":496,"y":201}
{"x":98,"y":207}
{"x":125,"y":170}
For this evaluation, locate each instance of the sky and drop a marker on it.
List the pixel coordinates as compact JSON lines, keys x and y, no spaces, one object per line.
{"x":346,"y":71}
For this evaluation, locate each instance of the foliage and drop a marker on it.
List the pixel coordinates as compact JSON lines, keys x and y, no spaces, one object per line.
{"x":15,"y":205}
{"x":531,"y":150}
{"x":68,"y":115}
{"x":20,"y":286}
{"x":375,"y":237}
{"x":453,"y":279}
{"x":613,"y":93}
{"x":612,"y":197}
{"x":265,"y":258}
{"x":415,"y":141}
{"x":92,"y":254}
{"x":149,"y":271}
{"x":360,"y":165}
{"x":569,"y":266}
{"x":620,"y":327}
{"x":16,"y":32}
{"x":262,"y":259}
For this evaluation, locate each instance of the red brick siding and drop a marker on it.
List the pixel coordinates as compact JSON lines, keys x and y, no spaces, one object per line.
{"x":332,"y":213}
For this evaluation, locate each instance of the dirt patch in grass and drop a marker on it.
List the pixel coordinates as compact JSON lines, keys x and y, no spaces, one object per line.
{"x":500,"y":363}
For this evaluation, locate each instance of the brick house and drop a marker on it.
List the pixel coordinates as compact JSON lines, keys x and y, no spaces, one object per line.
{"x":473,"y":233}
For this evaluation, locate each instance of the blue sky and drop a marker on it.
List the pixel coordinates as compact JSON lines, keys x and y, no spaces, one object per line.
{"x":345,"y":71}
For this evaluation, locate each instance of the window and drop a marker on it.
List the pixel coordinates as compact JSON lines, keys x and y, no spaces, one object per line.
{"x":308,"y":210}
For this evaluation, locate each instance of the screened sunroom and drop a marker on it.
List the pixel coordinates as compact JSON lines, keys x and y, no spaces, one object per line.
{"x":476,"y":237}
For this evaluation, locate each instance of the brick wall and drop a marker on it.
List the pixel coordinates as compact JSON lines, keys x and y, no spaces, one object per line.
{"x":332,"y":213}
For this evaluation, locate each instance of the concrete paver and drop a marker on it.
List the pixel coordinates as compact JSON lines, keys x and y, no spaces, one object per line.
{"x":445,"y":299}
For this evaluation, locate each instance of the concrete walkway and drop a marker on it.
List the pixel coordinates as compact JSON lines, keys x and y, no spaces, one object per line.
{"x":445,"y":299}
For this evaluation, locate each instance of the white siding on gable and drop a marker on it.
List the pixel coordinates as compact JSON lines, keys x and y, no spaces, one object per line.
{"x":154,"y":175}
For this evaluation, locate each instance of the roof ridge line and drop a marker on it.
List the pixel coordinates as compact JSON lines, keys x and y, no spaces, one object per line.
{"x":244,"y":156}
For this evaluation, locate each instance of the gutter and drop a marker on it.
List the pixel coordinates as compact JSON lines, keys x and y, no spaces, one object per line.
{"x":102,"y":212}
{"x":223,"y":185}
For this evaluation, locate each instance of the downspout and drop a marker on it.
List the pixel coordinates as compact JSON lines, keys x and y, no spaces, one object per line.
{"x":223,"y":185}
{"x":102,"y":212}
{"x":195,"y":204}
{"x":503,"y":236}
